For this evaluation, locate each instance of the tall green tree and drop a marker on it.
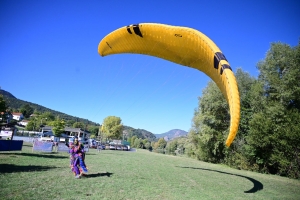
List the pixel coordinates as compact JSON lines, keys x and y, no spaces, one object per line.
{"x":112,"y":127}
{"x":210,"y":124}
{"x":280,"y":74}
{"x":274,"y":136}
{"x":33,"y":124}
{"x":132,"y":140}
{"x":79,"y":125}
{"x":3,"y":105}
{"x":58,"y":127}
{"x":161,"y":143}
{"x":26,"y":110}
{"x":148,"y":146}
{"x":3,"y":108}
{"x":245,"y":83}
{"x":235,"y":156}
{"x":138,"y":143}
{"x":94,"y":130}
{"x":47,"y":116}
{"x":171,"y":147}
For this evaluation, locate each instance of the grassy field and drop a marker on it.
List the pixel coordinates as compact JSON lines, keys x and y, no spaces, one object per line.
{"x":133,"y":175}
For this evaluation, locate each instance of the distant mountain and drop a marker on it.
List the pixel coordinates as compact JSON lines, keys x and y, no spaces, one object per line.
{"x":172,"y":134}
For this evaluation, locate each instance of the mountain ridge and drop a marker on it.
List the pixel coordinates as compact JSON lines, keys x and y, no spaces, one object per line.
{"x":16,"y":103}
{"x":170,"y":135}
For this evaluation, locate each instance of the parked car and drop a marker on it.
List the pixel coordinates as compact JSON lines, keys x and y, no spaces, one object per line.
{"x":112,"y":147}
{"x":119,"y":147}
{"x":125,"y":148}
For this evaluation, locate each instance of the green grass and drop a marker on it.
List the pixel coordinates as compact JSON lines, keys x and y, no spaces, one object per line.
{"x":133,"y":175}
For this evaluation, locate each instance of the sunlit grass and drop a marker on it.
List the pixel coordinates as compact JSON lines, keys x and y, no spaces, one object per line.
{"x":133,"y":175}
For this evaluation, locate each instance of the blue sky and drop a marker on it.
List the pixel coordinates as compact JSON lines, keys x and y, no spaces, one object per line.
{"x":48,"y":54}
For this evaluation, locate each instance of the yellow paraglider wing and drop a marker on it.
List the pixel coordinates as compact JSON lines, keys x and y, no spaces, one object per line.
{"x":182,"y":45}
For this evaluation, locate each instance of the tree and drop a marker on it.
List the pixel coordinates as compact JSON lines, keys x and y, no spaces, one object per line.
{"x":58,"y":127}
{"x":171,"y":147}
{"x":210,"y":125}
{"x":274,"y":136}
{"x":26,"y":110}
{"x":181,"y":145}
{"x":78,"y":125}
{"x":250,"y":94}
{"x":145,"y":141}
{"x":94,"y":130}
{"x":48,"y":116}
{"x":280,"y":74}
{"x":161,"y":143}
{"x":245,"y":83}
{"x":33,"y":124}
{"x":159,"y":146}
{"x":132,"y":140}
{"x":3,"y":108}
{"x":148,"y":146}
{"x":138,"y":143}
{"x":112,"y":127}
{"x":3,"y":105}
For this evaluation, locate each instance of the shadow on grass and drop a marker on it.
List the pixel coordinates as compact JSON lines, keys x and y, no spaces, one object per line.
{"x":108,"y":174}
{"x":256,"y":184}
{"x":27,"y":145}
{"x":41,"y":155}
{"x":10,"y":168}
{"x":117,"y":153}
{"x":113,"y":150}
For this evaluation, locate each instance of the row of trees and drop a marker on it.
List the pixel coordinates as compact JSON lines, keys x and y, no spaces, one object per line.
{"x":136,"y":142}
{"x":148,"y":144}
{"x":174,"y":147}
{"x":269,"y":131}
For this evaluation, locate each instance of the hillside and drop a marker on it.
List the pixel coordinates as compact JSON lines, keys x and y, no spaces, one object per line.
{"x":7,"y":94}
{"x":172,"y":134}
{"x":140,"y":133}
{"x":15,"y":104}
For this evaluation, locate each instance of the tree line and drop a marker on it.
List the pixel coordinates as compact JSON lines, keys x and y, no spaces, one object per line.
{"x":268,"y":140}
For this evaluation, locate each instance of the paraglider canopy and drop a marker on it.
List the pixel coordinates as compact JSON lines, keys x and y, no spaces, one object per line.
{"x":181,"y":45}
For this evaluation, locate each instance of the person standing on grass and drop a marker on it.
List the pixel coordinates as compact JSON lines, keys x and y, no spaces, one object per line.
{"x":74,"y":163}
{"x":80,"y":155}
